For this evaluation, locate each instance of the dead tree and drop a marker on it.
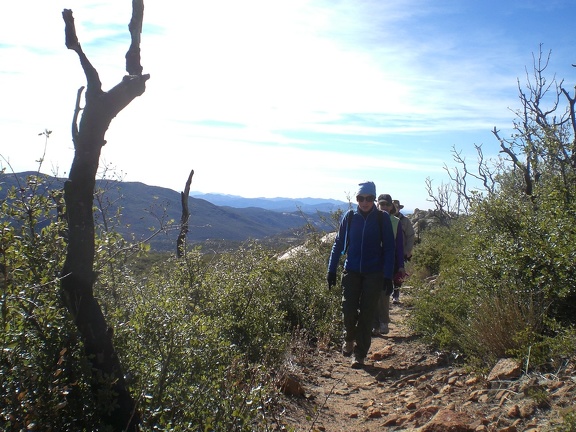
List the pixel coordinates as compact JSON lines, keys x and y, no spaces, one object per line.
{"x":181,"y":241}
{"x":78,"y":272}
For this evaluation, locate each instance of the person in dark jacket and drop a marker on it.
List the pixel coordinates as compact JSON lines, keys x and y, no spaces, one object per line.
{"x":367,"y":239}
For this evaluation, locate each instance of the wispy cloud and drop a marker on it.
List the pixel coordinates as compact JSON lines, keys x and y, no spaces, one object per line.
{"x":292,"y":97}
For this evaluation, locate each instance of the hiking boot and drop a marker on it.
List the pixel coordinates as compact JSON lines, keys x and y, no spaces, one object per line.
{"x":375,"y":332}
{"x":395,"y":301}
{"x":357,"y":363}
{"x":384,"y":328}
{"x":347,"y":348}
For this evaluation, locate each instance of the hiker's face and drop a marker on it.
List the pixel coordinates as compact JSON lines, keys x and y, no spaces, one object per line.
{"x":385,"y":206}
{"x":365,"y":202}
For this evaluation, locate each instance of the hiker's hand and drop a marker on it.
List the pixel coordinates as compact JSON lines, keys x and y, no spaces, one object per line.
{"x":399,"y":277}
{"x":331,"y":279}
{"x":388,"y":286}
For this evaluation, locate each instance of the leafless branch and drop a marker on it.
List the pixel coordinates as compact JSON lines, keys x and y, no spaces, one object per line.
{"x":133,"y":66}
{"x":181,"y":241}
{"x":94,"y":84}
{"x":77,"y":110}
{"x":524,"y":169}
{"x":572,"y":116}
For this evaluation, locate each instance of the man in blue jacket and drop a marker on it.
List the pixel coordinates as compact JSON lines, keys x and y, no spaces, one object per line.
{"x":366,"y":237}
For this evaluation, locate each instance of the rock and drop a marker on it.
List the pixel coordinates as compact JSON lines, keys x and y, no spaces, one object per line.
{"x":484,"y":398}
{"x":290,"y":386}
{"x":387,"y":351}
{"x":479,"y":425}
{"x":513,"y":411}
{"x":411,"y":405}
{"x":448,"y":421}
{"x":368,"y":404}
{"x":447,"y":389}
{"x":530,"y":386}
{"x":471,"y":381}
{"x":423,"y":220}
{"x":374,"y":413}
{"x":424,"y":414}
{"x":505,"y":369}
{"x":527,"y":408}
{"x":391,"y":420}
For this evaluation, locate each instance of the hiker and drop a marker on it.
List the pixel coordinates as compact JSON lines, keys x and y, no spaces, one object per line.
{"x":382,"y":315}
{"x":408,"y":233}
{"x":365,"y":236}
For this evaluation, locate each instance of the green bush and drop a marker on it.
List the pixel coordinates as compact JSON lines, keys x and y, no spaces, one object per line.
{"x":505,"y":272}
{"x":438,"y":248}
{"x":41,"y":361}
{"x":303,"y":294}
{"x":503,"y":284}
{"x":184,"y":370}
{"x":568,"y":423}
{"x":203,"y":340}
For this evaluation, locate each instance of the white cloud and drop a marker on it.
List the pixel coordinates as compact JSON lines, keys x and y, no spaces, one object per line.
{"x":292,"y":97}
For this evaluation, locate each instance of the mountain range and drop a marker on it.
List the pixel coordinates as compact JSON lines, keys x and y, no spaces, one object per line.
{"x":215,"y":219}
{"x":306,"y":205}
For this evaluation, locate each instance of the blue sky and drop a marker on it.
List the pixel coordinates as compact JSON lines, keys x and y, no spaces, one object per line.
{"x":281,"y":98}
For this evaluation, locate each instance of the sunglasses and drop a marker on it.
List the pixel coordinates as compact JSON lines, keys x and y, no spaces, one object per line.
{"x":361,"y":198}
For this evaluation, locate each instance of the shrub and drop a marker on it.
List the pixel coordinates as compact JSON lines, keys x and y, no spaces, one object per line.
{"x":506,"y":277}
{"x":438,"y":249}
{"x":203,"y":341}
{"x":41,"y":361}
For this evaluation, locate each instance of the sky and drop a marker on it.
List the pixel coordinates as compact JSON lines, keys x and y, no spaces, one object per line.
{"x":281,"y":98}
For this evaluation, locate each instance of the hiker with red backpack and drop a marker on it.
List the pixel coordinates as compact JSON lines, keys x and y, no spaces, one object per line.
{"x":365,"y":236}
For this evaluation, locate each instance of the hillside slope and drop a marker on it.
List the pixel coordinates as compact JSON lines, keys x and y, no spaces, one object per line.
{"x":143,"y":208}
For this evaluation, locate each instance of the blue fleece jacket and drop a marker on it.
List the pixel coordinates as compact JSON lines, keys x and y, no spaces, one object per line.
{"x":370,"y":249}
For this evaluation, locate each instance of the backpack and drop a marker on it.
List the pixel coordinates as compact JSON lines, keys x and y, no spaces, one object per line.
{"x":348,"y":218}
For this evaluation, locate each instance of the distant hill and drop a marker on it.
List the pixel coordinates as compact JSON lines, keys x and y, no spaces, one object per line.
{"x":144,"y":208}
{"x":306,"y":205}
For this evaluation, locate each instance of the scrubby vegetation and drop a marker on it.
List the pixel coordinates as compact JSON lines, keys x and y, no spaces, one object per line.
{"x":504,"y":271}
{"x":204,"y":340}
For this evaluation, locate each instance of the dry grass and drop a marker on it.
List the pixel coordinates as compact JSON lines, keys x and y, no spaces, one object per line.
{"x":501,"y":325}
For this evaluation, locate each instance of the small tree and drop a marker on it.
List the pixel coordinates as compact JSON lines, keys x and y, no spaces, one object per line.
{"x":107,"y":380}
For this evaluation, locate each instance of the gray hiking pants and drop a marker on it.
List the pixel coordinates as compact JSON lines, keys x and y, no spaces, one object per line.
{"x":382,"y":315}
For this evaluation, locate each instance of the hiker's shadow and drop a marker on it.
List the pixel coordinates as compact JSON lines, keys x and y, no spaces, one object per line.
{"x":403,"y":365}
{"x":398,"y":339}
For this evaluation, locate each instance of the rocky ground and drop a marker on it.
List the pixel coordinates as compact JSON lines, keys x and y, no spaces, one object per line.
{"x":405,"y":386}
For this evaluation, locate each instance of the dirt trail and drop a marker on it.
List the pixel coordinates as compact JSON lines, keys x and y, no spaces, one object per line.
{"x":404,"y":385}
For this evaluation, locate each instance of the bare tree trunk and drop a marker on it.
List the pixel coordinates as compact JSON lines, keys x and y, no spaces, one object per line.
{"x":78,"y":274}
{"x":181,"y":241}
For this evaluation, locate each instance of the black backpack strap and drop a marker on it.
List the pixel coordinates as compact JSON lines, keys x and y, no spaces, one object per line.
{"x":380,"y":222}
{"x":348,"y":218}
